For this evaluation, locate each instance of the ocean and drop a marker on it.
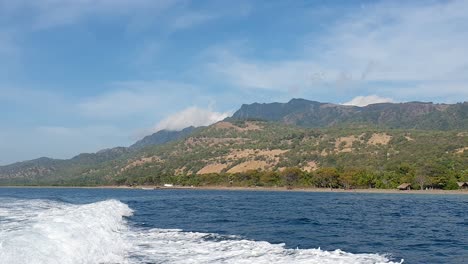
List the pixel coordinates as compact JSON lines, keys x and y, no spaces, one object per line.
{"x":68,"y":226}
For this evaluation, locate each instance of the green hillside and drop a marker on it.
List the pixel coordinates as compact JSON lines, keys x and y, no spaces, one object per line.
{"x":299,"y":143}
{"x":246,"y":153}
{"x":228,"y":153}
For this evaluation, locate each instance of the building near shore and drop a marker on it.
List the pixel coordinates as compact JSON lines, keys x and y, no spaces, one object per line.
{"x":404,"y":186}
{"x":462,"y":185}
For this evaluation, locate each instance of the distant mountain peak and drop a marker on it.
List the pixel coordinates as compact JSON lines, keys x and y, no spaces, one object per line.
{"x":161,"y":137}
{"x":413,"y":115}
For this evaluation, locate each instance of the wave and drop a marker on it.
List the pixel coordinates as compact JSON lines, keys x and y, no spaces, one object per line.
{"x":43,"y":231}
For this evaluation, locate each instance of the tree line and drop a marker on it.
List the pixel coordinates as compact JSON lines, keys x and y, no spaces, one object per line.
{"x":326,"y":177}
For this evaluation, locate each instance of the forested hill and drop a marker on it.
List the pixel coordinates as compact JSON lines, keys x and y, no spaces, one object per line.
{"x":411,"y":115}
{"x":384,"y":143}
{"x":54,"y":170}
{"x":249,"y":153}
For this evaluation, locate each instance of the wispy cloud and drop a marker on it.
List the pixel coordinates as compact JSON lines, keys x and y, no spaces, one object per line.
{"x":41,"y":102}
{"x":118,"y":104}
{"x":415,"y":42}
{"x":278,"y":75}
{"x":52,"y":13}
{"x":192,"y":116}
{"x":410,"y":45}
{"x":127,"y":99}
{"x":367,"y":100}
{"x":191,"y":19}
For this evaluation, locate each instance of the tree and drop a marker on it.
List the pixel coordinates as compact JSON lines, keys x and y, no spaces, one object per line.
{"x":421,"y":179}
{"x":347,"y":178}
{"x":291,"y":176}
{"x":270,"y":178}
{"x":327,"y":177}
{"x":367,"y":179}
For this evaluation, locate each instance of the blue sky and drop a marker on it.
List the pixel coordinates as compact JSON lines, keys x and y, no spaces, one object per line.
{"x":82,"y":75}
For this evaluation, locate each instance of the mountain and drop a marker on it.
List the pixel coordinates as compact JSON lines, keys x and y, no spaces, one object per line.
{"x":82,"y":165}
{"x":54,"y":170}
{"x":258,"y":152}
{"x":246,"y":152}
{"x":386,"y":143}
{"x":162,"y":137}
{"x":411,"y":115}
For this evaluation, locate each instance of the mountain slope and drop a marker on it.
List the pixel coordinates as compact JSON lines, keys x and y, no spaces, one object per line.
{"x":226,"y":150}
{"x":83,"y":165}
{"x":162,"y":137}
{"x":375,"y":138}
{"x":411,"y":115}
{"x":210,"y":155}
{"x":55,"y":170}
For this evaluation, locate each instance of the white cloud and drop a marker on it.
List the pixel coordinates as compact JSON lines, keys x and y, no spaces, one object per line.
{"x":397,"y":41}
{"x":106,"y":120}
{"x":166,"y":15}
{"x":367,"y":100}
{"x":192,"y":116}
{"x":409,"y":45}
{"x":121,"y":103}
{"x":128,"y":99}
{"x":40,"y":103}
{"x":280,"y":75}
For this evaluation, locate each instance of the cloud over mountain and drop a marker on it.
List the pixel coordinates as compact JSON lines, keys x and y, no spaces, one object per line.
{"x":192,"y":116}
{"x":367,"y":100}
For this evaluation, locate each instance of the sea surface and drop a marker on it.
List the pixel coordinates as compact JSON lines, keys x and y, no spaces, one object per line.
{"x":68,"y":226}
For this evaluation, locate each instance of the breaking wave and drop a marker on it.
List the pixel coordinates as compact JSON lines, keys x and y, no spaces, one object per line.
{"x":44,"y":231}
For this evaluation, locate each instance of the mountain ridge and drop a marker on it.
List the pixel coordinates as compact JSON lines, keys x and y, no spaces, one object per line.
{"x":410,"y":115}
{"x":44,"y":166}
{"x":247,"y":129}
{"x":161,"y":137}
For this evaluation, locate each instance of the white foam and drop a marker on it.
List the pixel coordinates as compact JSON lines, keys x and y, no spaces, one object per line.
{"x":50,"y":232}
{"x":40,"y":231}
{"x":175,"y":246}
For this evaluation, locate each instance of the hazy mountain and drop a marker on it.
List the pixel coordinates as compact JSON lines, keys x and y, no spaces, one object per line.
{"x":162,"y":137}
{"x":411,"y":115}
{"x":47,"y":169}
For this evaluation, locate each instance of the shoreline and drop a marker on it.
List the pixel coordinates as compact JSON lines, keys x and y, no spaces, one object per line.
{"x":267,"y":189}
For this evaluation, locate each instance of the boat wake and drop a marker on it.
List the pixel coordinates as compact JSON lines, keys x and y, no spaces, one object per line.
{"x":44,"y":231}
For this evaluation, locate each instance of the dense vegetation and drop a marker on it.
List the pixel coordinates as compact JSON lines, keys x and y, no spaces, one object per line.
{"x":281,"y":155}
{"x":427,"y":159}
{"x":246,"y":151}
{"x":294,"y":177}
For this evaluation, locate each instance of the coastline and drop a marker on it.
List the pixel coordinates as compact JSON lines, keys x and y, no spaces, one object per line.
{"x":267,"y":189}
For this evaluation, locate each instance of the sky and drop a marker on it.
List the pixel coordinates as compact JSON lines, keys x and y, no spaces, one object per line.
{"x":82,"y":75}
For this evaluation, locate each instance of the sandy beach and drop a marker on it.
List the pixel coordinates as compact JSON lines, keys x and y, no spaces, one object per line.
{"x":284,"y":189}
{"x":269,"y":189}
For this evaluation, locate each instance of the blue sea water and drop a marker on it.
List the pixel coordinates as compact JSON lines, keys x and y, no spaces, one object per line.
{"x":53,"y":225}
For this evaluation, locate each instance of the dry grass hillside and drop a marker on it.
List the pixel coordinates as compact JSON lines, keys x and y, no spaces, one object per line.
{"x":236,"y":147}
